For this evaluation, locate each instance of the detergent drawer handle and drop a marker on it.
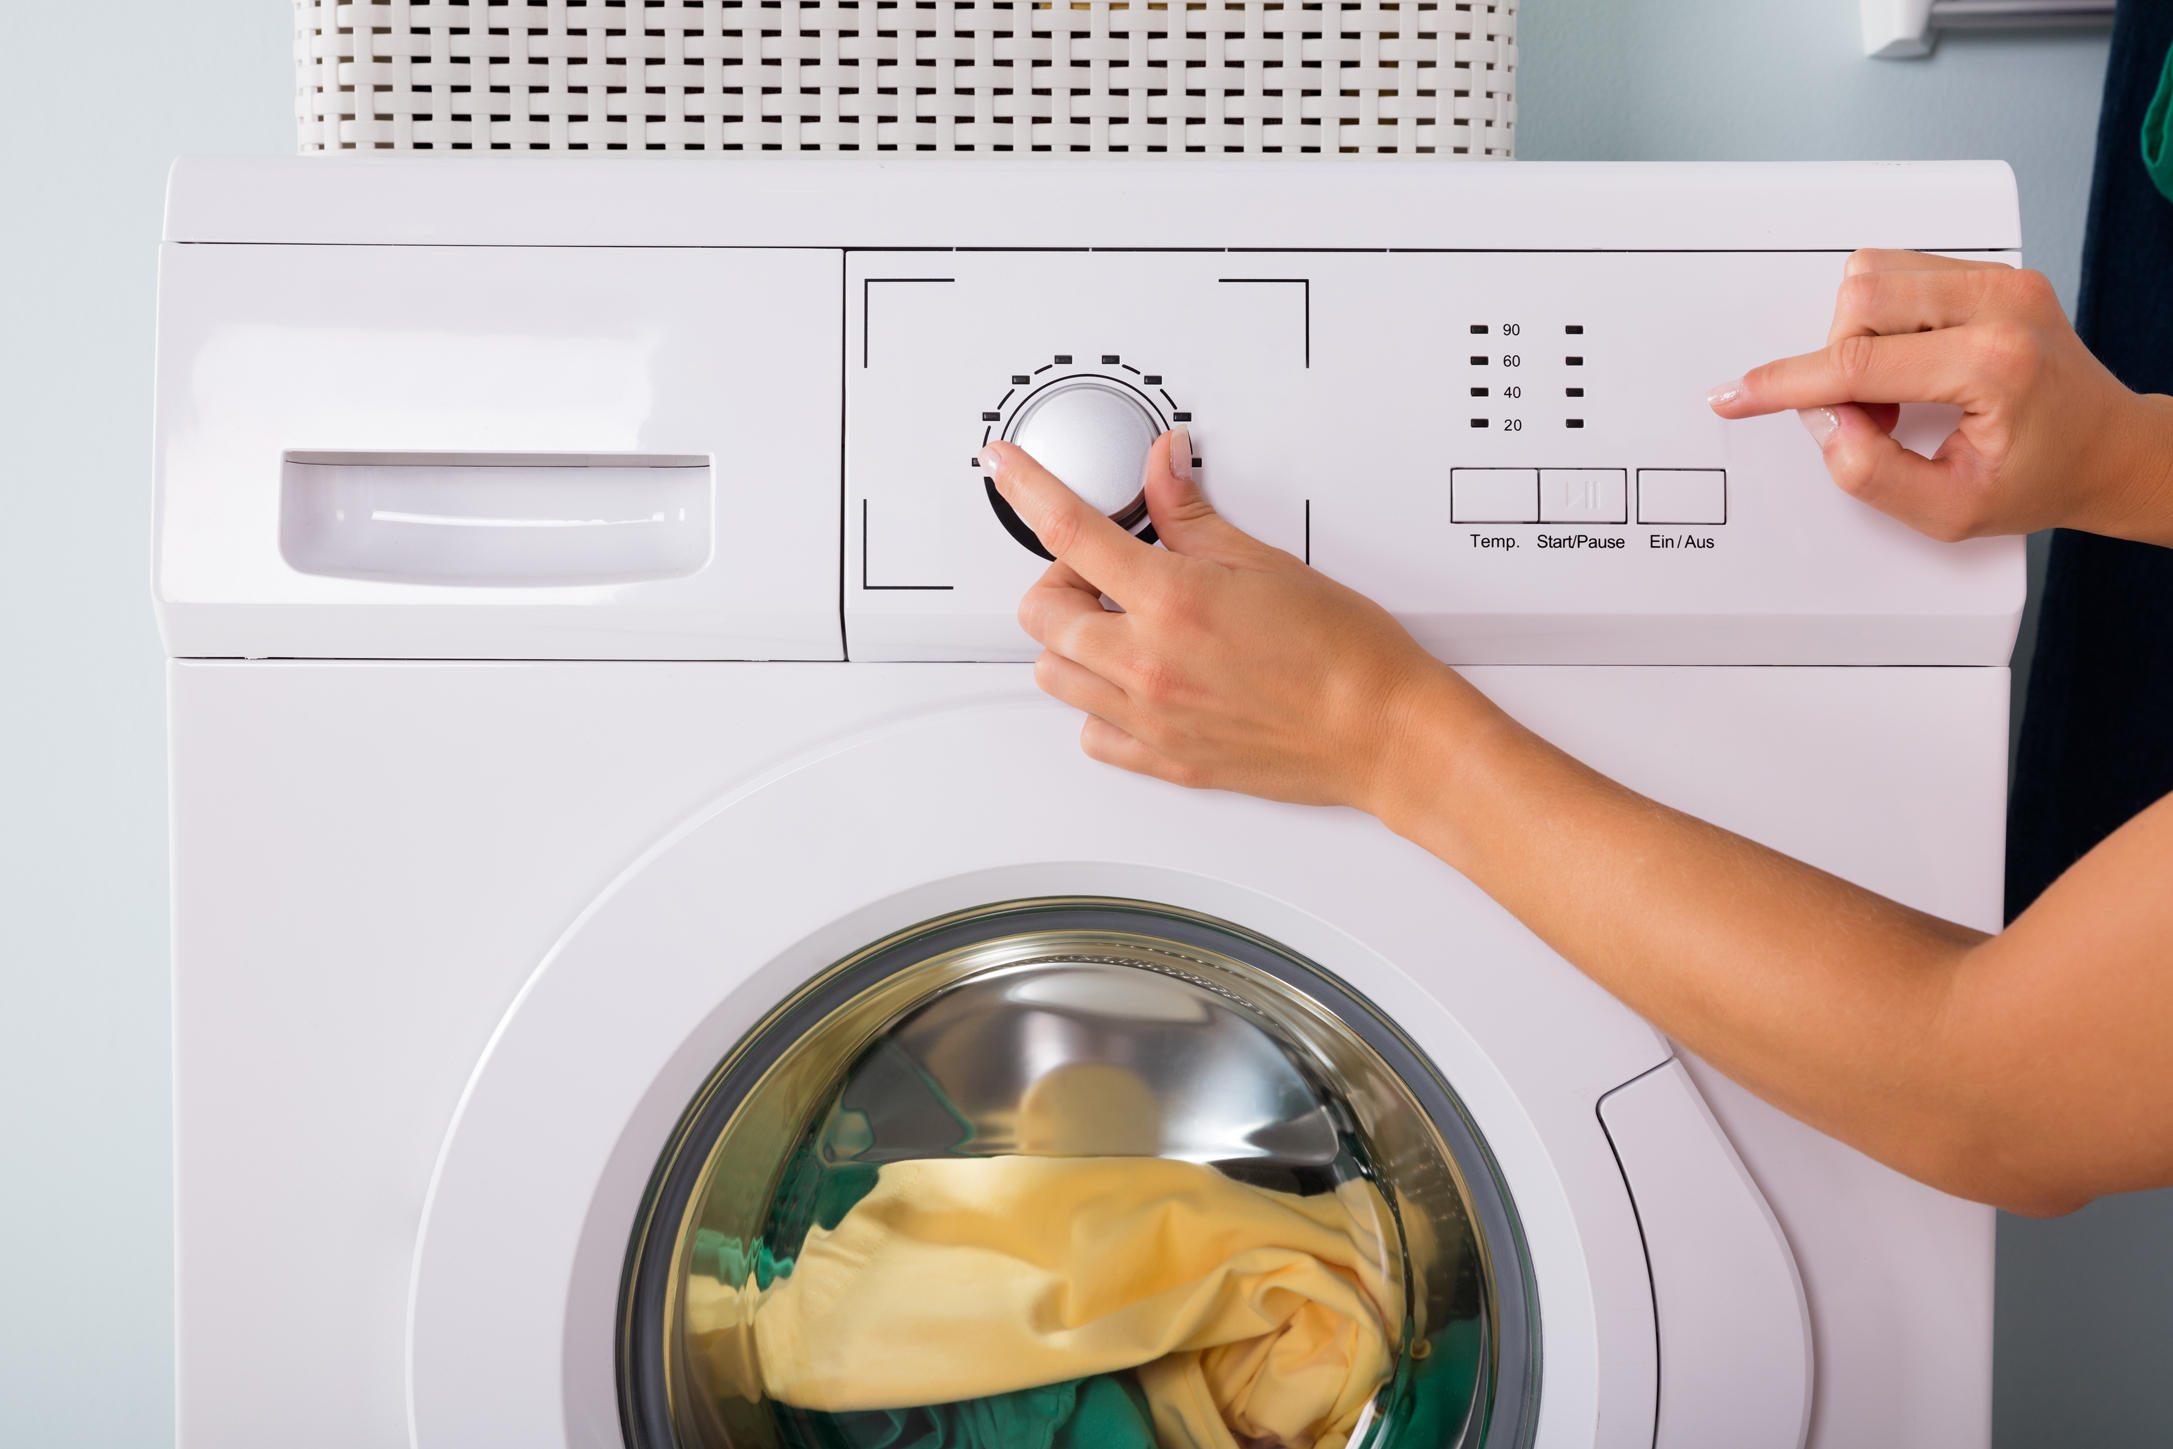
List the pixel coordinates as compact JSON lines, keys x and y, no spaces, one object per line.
{"x":495,"y":520}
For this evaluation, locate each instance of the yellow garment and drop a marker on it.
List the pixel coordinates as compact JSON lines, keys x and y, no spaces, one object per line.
{"x":1245,"y":1309}
{"x":720,"y":1329}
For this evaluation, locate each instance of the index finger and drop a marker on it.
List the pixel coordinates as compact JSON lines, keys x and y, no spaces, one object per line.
{"x":1946,"y":366}
{"x":1068,"y":526}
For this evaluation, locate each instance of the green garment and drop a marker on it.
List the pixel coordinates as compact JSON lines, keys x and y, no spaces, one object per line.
{"x":1436,"y":1399}
{"x":822,"y":1194}
{"x":2158,"y":132}
{"x":1104,"y":1412}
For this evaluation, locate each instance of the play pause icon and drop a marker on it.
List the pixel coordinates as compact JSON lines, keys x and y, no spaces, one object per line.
{"x":1583,"y":495}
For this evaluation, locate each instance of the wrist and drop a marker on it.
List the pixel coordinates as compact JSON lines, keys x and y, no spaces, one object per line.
{"x":2137,"y":502}
{"x":2150,"y":472}
{"x":1443,"y":742}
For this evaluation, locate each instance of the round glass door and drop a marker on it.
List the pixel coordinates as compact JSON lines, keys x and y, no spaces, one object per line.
{"x":1076,"y":1174}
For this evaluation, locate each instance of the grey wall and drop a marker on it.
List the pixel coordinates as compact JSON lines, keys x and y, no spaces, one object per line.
{"x":97,"y":98}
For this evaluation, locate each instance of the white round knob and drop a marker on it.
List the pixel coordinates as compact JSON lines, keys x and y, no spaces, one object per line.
{"x":1094,"y":434}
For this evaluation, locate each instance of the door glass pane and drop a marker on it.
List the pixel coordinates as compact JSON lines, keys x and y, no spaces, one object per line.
{"x":1063,"y":1187}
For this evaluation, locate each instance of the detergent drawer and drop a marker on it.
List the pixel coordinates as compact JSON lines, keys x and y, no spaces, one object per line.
{"x":498,"y":452}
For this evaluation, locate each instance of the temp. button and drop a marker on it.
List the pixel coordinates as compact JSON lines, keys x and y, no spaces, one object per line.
{"x":1493,"y":495}
{"x":1094,"y":434}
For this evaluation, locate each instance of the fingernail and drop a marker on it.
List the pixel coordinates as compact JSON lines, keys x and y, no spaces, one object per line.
{"x":1180,"y":453}
{"x":1820,"y":423}
{"x":991,"y":460}
{"x":1724,"y":394}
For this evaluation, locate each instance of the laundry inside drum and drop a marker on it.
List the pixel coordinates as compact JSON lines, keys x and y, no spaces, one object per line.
{"x":1061,"y":1189}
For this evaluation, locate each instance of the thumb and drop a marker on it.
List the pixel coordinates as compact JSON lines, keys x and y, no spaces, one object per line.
{"x":1184,"y":520}
{"x":1937,"y":496}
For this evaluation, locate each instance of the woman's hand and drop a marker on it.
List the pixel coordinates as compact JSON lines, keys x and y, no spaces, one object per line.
{"x":2028,"y":1070}
{"x":1232,"y":665}
{"x":2048,"y":436}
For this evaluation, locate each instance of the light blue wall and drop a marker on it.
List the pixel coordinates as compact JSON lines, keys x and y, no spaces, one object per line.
{"x":94,"y":101}
{"x":1770,"y":80}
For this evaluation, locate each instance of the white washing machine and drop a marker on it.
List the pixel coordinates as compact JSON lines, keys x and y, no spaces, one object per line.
{"x":615,"y":829}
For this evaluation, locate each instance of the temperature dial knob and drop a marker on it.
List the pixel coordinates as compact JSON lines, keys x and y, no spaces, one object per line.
{"x":1094,"y":434}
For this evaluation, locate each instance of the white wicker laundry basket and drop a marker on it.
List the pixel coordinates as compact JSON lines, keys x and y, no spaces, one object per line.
{"x":1416,"y":78}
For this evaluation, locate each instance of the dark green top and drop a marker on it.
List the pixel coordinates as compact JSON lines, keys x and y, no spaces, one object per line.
{"x":2158,"y":132}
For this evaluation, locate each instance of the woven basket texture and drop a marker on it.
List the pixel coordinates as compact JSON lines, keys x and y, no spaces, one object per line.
{"x":1406,"y":78}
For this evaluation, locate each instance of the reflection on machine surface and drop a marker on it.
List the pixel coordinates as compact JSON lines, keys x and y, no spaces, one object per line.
{"x":1063,"y":1188}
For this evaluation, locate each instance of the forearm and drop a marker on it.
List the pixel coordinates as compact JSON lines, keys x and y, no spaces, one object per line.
{"x":1828,"y":1000}
{"x":2127,"y":482}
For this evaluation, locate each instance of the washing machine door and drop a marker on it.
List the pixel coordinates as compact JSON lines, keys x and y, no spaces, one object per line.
{"x":941,"y":1087}
{"x":1118,"y":1171}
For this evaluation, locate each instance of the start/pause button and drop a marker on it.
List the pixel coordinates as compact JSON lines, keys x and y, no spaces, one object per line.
{"x":1583,"y":495}
{"x":1682,"y":495}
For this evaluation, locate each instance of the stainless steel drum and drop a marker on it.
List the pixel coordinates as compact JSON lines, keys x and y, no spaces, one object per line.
{"x":1043,"y":1072}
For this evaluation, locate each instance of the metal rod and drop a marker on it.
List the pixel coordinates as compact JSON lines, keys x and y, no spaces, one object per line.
{"x":1989,"y":14}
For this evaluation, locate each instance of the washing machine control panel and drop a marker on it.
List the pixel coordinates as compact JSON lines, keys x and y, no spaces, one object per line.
{"x":1511,"y":450}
